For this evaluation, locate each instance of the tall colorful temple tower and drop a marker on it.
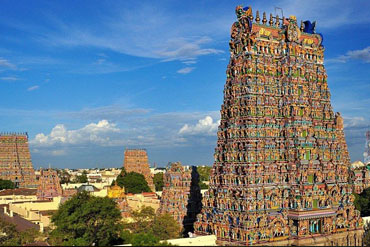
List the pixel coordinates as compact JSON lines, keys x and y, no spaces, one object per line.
{"x":15,"y":160}
{"x":280,"y":175}
{"x":136,"y":160}
{"x":49,"y":185}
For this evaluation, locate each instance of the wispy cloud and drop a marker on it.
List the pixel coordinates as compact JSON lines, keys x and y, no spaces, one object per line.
{"x":6,"y":64}
{"x":9,"y":78}
{"x":361,"y":55}
{"x":185,"y":70}
{"x":33,"y":88}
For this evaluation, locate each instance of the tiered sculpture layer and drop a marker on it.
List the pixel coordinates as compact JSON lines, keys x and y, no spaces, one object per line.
{"x":136,"y":160}
{"x":280,"y":175}
{"x":15,"y":160}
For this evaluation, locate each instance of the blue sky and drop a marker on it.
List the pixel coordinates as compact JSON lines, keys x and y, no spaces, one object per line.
{"x":87,"y":79}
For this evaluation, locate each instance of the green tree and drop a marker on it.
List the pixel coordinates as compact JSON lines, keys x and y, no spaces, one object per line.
{"x":204,"y":172}
{"x":9,"y":236}
{"x":158,"y":181}
{"x":166,"y":227}
{"x":202,"y":185}
{"x":86,"y":220}
{"x":81,"y":178}
{"x":133,"y":182}
{"x":362,"y":202}
{"x":146,"y":221}
{"x":144,"y":239}
{"x":64,"y":176}
{"x":142,"y":220}
{"x":6,"y":184}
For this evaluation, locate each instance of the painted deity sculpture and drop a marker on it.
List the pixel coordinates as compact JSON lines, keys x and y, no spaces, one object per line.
{"x":280,"y":174}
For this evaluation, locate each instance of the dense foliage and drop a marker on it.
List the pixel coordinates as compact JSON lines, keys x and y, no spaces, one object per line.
{"x":81,"y":178}
{"x":133,"y":182}
{"x":9,"y":236}
{"x":204,"y":172}
{"x":6,"y":184}
{"x":362,"y":202}
{"x":86,"y":220}
{"x":158,"y":181}
{"x":64,"y":176}
{"x":145,"y":221}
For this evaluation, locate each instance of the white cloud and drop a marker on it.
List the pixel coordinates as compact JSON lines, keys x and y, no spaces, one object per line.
{"x":9,"y":78}
{"x":58,"y":152}
{"x":363,"y":54}
{"x":33,"y":88}
{"x":185,"y":70}
{"x":97,"y":133}
{"x":5,"y":63}
{"x":205,"y":126}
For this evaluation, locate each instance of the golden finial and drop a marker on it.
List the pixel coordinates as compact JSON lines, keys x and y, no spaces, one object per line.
{"x":264,"y":20}
{"x":277,"y":21}
{"x":271,"y":22}
{"x":258,"y":17}
{"x":302,"y":26}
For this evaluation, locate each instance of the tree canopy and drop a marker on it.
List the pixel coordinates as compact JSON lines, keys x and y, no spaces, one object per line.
{"x":11,"y":237}
{"x":158,"y":181}
{"x":81,"y":178}
{"x":204,"y":172}
{"x":6,"y":184}
{"x":362,"y":202}
{"x":86,"y":220}
{"x":145,"y":221}
{"x":133,"y":182}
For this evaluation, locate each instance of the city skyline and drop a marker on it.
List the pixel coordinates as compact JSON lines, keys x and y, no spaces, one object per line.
{"x":88,"y":79}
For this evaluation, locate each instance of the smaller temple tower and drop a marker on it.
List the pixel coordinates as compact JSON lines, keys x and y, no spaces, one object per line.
{"x":15,"y":160}
{"x":181,"y":195}
{"x":49,"y":185}
{"x":136,"y":160}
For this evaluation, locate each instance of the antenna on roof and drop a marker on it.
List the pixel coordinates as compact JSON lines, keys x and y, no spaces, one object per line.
{"x":281,"y":10}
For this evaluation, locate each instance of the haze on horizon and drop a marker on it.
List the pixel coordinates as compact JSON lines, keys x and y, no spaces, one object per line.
{"x":88,"y":79}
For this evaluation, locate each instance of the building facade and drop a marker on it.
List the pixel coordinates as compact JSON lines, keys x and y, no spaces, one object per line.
{"x":15,"y":160}
{"x":281,"y":170}
{"x":136,"y":160}
{"x":49,"y":185}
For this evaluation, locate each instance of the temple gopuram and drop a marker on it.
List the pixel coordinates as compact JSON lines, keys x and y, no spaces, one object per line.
{"x":181,"y":195}
{"x":281,"y":169}
{"x":49,"y":185}
{"x":15,"y":160}
{"x":136,"y":160}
